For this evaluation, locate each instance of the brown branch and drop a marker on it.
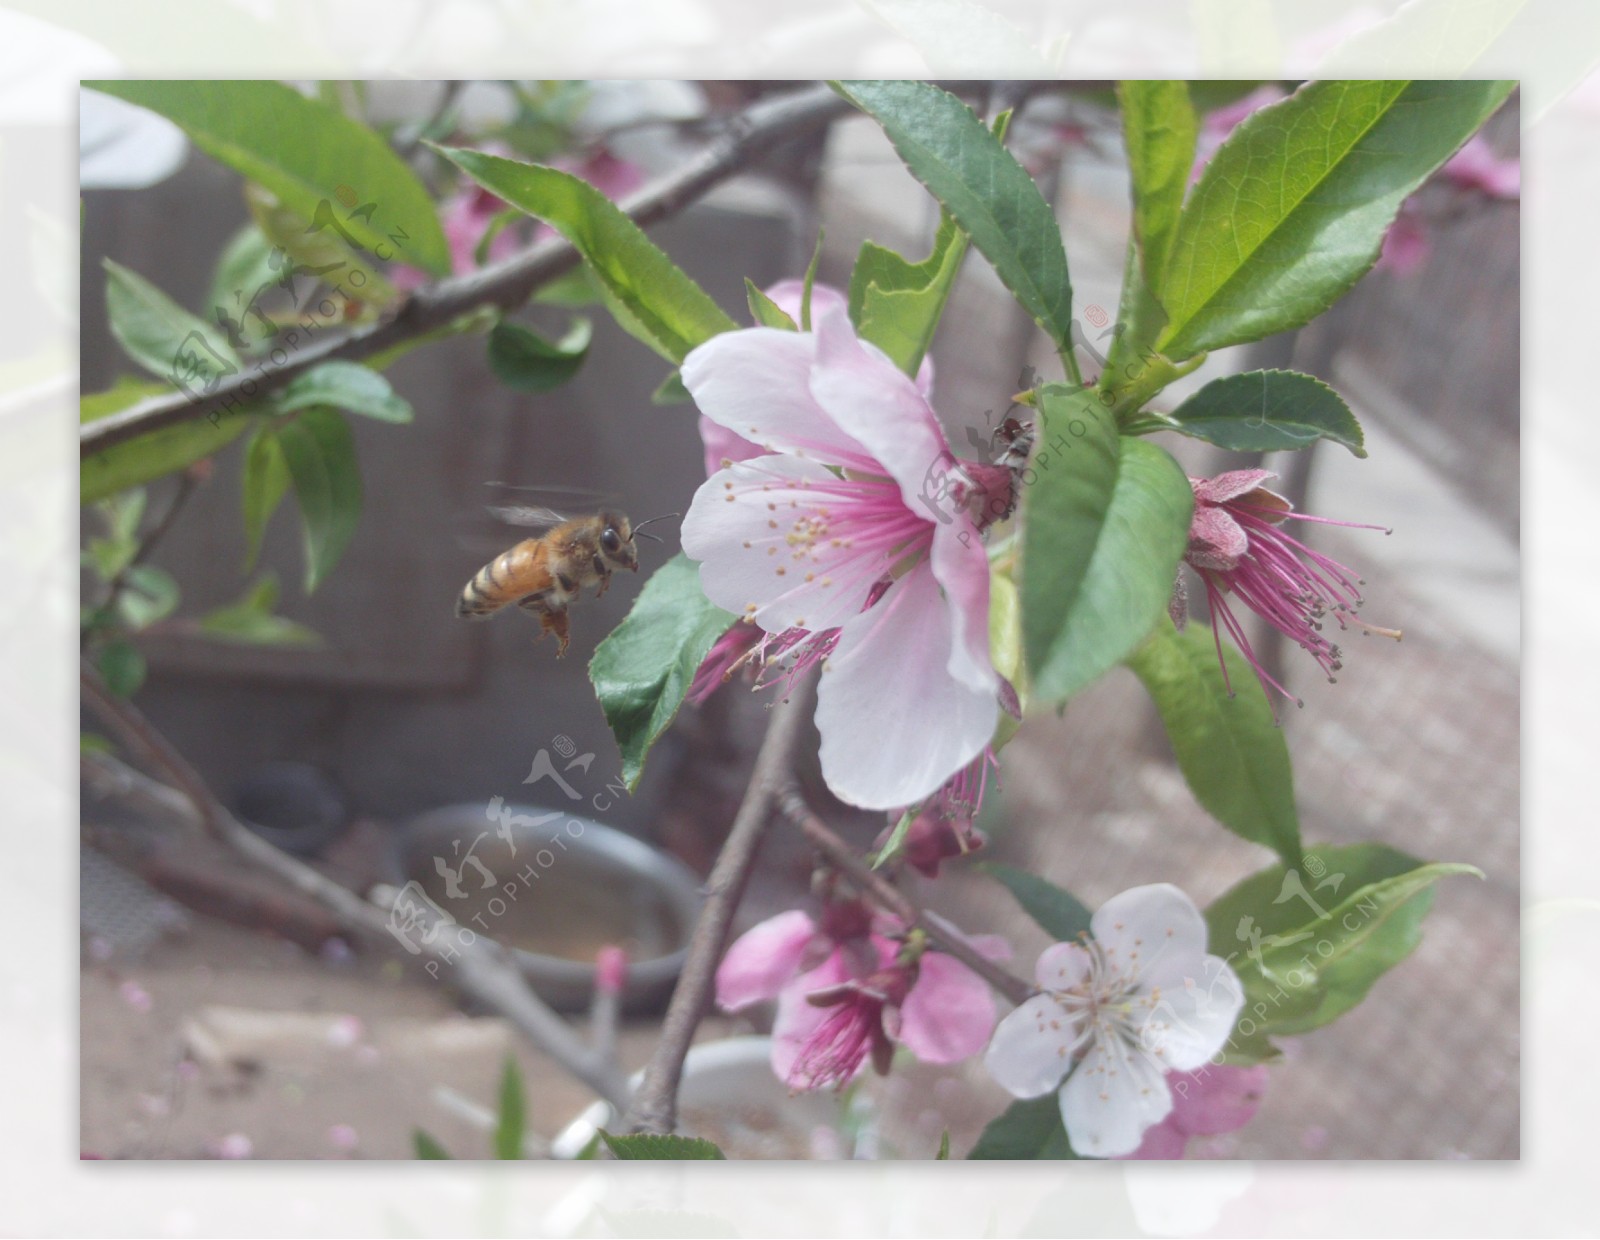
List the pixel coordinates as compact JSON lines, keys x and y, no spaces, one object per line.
{"x":892,"y":900}
{"x":505,"y":285}
{"x":481,"y":969}
{"x":655,"y":1105}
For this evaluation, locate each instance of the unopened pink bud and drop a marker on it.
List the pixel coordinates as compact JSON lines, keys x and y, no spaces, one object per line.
{"x":611,"y":970}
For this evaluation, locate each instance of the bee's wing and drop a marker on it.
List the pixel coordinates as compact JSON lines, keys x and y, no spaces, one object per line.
{"x":531,"y":516}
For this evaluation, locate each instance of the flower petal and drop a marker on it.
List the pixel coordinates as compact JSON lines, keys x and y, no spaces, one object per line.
{"x":1216,"y":540}
{"x":1162,"y":1141}
{"x":1062,"y":966}
{"x":1031,"y":1048}
{"x":870,"y":400}
{"x":1217,"y":1099}
{"x":961,"y":565}
{"x":949,"y":1014}
{"x":777,"y":541}
{"x":825,"y":300}
{"x":1116,"y":1094}
{"x":1229,"y":485}
{"x":724,"y":447}
{"x":895,"y":725}
{"x":755,"y":383}
{"x":796,"y":1020}
{"x":1190,"y":1020}
{"x":1153,"y":936}
{"x":762,"y":959}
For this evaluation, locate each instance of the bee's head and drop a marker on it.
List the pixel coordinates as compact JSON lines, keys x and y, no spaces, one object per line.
{"x":616,"y":541}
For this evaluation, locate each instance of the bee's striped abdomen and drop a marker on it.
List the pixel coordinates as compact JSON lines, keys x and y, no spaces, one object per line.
{"x":504,"y":579}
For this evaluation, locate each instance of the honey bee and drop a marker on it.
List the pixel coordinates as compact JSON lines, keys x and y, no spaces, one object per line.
{"x":544,"y":575}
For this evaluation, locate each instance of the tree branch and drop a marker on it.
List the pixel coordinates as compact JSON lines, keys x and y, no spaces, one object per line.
{"x":481,"y":969}
{"x":892,"y":900}
{"x":505,"y":285}
{"x":655,"y":1105}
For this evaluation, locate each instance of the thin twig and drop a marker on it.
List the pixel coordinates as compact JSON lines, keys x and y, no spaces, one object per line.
{"x":505,"y":285}
{"x":479,"y":968}
{"x":892,"y":900}
{"x":655,"y":1105}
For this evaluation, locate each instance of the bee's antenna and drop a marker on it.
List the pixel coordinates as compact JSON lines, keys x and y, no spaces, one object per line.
{"x":642,"y":534}
{"x":667,"y":516}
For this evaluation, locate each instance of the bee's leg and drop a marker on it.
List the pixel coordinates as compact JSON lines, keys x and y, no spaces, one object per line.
{"x":604,"y":574}
{"x":555,"y":622}
{"x":552,"y":616}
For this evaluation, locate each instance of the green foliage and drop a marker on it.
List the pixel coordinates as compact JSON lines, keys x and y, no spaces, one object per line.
{"x":646,"y":1146}
{"x":643,"y":668}
{"x":250,"y":620}
{"x":1269,"y":411}
{"x":148,"y":594}
{"x":512,"y":1119}
{"x":896,"y":303}
{"x":1294,"y":206}
{"x":321,"y":456}
{"x":304,"y":153}
{"x":244,"y":265}
{"x":985,"y":190}
{"x":1159,"y":126}
{"x":649,"y":295}
{"x":1228,"y":745}
{"x":1029,"y":1128}
{"x":1328,"y":929}
{"x":1060,"y":914}
{"x":426,"y":1147}
{"x":158,"y":333}
{"x":318,"y":252}
{"x":765,"y":311}
{"x":121,"y":666}
{"x":343,"y":385}
{"x":266,"y":481}
{"x":524,"y":360}
{"x":1105,"y":523}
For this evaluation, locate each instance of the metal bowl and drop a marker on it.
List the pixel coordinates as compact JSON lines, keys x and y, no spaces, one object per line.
{"x":555,"y":888}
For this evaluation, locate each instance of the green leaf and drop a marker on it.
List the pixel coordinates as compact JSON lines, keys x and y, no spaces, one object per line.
{"x":425,"y":1146}
{"x":642,"y":1146}
{"x":249,"y":620}
{"x":501,"y":221}
{"x":121,"y":666}
{"x":1228,"y":745}
{"x":1030,"y":1128}
{"x":149,"y":594}
{"x":508,"y":1128}
{"x":1294,"y":206}
{"x":93,"y":742}
{"x":321,"y":456}
{"x":809,"y":283}
{"x":1308,"y":942}
{"x":244,"y":265}
{"x":765,"y":311}
{"x":527,"y":362}
{"x":1269,"y":411}
{"x":896,"y":304}
{"x":944,"y":1147}
{"x":344,"y":385}
{"x":125,"y":392}
{"x":896,"y":841}
{"x":163,"y":337}
{"x":1159,"y":127}
{"x":984,"y":188}
{"x":643,"y":668}
{"x":155,"y":455}
{"x":317,"y":252}
{"x":1105,"y":523}
{"x":1060,"y":914}
{"x":305,"y":153}
{"x":647,"y":292}
{"x":266,"y":481}
{"x":671,"y":391}
{"x":481,"y":319}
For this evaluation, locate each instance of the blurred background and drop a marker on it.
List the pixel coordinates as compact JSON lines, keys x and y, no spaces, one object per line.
{"x":224,"y":1016}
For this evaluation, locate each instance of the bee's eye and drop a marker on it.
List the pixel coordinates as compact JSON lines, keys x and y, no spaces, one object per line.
{"x":610,"y":542}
